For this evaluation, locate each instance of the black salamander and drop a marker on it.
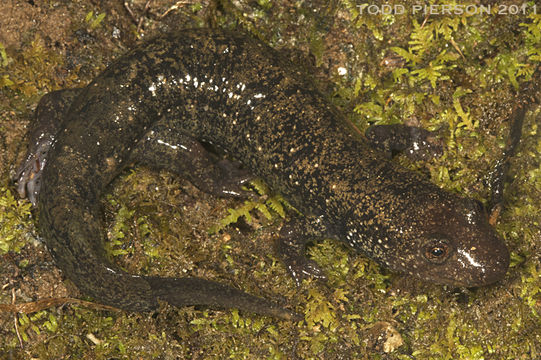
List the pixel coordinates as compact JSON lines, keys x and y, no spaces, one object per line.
{"x":156,"y":104}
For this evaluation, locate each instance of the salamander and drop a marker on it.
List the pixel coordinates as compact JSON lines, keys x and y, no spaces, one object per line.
{"x":159,"y":102}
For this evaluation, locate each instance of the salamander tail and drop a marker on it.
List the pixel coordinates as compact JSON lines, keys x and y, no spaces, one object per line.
{"x":195,"y":291}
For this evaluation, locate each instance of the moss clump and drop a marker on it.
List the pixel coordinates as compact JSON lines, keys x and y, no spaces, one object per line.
{"x":14,"y":222}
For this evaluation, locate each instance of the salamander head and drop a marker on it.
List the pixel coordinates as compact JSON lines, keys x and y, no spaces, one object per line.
{"x":458,"y":247}
{"x":447,"y":242}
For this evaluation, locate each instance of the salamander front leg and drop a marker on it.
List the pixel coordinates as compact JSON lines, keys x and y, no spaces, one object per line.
{"x":291,"y":247}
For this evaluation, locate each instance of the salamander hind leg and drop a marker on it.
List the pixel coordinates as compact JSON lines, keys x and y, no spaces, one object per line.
{"x":291,"y":247}
{"x":165,"y":148}
{"x":49,"y":115}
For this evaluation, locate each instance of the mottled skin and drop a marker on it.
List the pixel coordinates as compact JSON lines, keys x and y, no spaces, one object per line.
{"x":414,"y":142}
{"x":155,"y":103}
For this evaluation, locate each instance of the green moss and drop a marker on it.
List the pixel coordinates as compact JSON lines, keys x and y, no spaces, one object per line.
{"x":32,"y":70}
{"x":264,"y":205}
{"x":94,"y":21}
{"x":14,"y":221}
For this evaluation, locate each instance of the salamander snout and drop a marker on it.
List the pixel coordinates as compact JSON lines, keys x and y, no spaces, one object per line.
{"x":487,"y":261}
{"x":469,"y":262}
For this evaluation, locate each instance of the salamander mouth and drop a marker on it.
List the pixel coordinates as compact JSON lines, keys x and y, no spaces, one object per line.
{"x":459,"y":275}
{"x":471,"y":283}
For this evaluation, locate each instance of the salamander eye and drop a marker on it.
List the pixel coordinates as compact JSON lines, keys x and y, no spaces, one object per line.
{"x":437,"y":250}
